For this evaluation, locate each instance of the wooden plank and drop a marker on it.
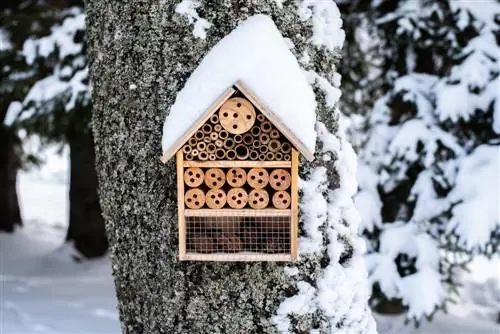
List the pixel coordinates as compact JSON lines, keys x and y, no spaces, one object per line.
{"x":275,"y":120}
{"x":203,"y":118}
{"x":237,"y":257}
{"x":237,"y":212}
{"x":295,"y":203}
{"x":232,"y":163}
{"x":180,"y":205}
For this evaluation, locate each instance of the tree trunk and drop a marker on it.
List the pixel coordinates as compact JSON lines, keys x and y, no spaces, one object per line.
{"x":10,"y":214}
{"x":86,"y":225}
{"x":141,"y":54}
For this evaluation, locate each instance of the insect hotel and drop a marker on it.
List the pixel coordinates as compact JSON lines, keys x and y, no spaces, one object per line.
{"x":237,"y":157}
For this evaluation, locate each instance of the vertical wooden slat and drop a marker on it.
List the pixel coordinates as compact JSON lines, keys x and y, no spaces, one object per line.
{"x":180,"y":205}
{"x":295,"y":203}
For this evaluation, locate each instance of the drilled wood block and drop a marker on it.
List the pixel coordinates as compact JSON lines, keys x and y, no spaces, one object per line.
{"x":193,"y":176}
{"x":257,"y":178}
{"x":280,"y":179}
{"x":258,"y":199}
{"x":237,"y":115}
{"x":281,"y":200}
{"x":236,"y":177}
{"x":216,"y":198}
{"x":194,"y":198}
{"x":237,"y":198}
{"x":215,"y":178}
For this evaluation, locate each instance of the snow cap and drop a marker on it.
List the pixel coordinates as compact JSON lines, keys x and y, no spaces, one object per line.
{"x":256,"y":54}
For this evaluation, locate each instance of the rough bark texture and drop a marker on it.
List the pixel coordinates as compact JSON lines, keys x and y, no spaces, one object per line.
{"x":10,"y":214}
{"x":86,"y":225}
{"x":141,"y":54}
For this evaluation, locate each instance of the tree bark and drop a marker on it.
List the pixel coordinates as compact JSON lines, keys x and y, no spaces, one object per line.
{"x":10,"y":214}
{"x":86,"y":225}
{"x":141,"y":54}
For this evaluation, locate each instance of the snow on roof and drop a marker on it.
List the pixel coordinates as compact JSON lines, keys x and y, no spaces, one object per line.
{"x":256,"y":54}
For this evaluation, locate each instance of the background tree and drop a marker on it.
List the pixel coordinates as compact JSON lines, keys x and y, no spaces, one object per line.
{"x":141,"y":55}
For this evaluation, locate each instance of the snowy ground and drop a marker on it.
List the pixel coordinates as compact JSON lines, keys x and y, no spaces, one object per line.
{"x":42,"y":290}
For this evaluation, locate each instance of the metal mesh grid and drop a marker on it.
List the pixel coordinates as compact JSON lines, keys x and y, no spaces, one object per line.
{"x":238,"y":235}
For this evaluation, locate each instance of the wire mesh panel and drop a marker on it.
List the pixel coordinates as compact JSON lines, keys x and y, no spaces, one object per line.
{"x":234,"y":235}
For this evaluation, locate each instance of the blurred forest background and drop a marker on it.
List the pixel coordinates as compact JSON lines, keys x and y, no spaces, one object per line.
{"x":420,"y":102}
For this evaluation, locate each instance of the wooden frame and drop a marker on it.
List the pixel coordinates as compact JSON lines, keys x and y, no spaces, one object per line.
{"x":180,"y":205}
{"x":246,"y":257}
{"x":294,"y":191}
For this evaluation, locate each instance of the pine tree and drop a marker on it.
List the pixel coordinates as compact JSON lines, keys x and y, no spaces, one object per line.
{"x":141,"y":55}
{"x":430,"y":168}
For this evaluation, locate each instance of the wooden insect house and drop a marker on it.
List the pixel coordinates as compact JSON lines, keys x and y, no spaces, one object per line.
{"x":237,"y":129}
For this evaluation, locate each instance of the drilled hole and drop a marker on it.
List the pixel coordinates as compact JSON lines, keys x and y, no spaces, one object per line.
{"x":220,"y":195}
{"x":214,"y":183}
{"x":235,"y":126}
{"x":192,"y":180}
{"x":190,"y":173}
{"x":278,"y":184}
{"x":189,"y":199}
{"x":212,"y":175}
{"x":197,"y":203}
{"x":194,"y":195}
{"x":240,"y":195}
{"x":280,"y":195}
{"x":283,"y":178}
{"x":217,"y":202}
{"x":225,"y":114}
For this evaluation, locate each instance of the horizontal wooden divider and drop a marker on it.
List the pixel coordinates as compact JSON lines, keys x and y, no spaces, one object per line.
{"x":231,"y":163}
{"x":237,"y":212}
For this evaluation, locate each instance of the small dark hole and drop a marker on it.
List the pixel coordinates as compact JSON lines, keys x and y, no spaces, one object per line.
{"x":235,"y":115}
{"x":261,"y":199}
{"x":260,"y":173}
{"x":260,"y":181}
{"x":219,"y":179}
{"x":192,"y":180}
{"x":275,"y":176}
{"x":214,"y":183}
{"x":235,"y":126}
{"x":224,"y":114}
{"x":283,"y":178}
{"x":254,"y":202}
{"x":238,"y":201}
{"x":198,"y":175}
{"x":194,"y":195}
{"x":280,"y":195}
{"x":240,"y":176}
{"x":213,"y":175}
{"x":220,"y":195}
{"x":217,"y":202}
{"x":278,"y":184}
{"x":240,"y":195}
{"x":285,"y":201}
{"x":238,"y":105}
{"x":196,"y":203}
{"x":189,"y":199}
{"x":249,"y":117}
{"x":190,"y":173}
{"x":252,"y":177}
{"x":213,"y":196}
{"x":234,"y":198}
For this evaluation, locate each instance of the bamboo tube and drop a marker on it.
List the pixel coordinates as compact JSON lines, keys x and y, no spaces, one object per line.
{"x":194,"y":152}
{"x":278,"y":156}
{"x":193,"y":176}
{"x":263,"y":149}
{"x":211,"y":148}
{"x":248,"y":139}
{"x":275,"y":134}
{"x":286,"y":157}
{"x":236,"y":177}
{"x":231,"y":154}
{"x":266,"y":126}
{"x":274,"y":145}
{"x":212,"y":157}
{"x":199,"y":135}
{"x":237,"y":139}
{"x":217,"y":128}
{"x":228,"y":143}
{"x":216,"y":198}
{"x":257,"y":178}
{"x":255,"y":131}
{"x":194,"y":198}
{"x":254,"y":155}
{"x":207,"y":139}
{"x":258,"y":199}
{"x":203,"y":155}
{"x":214,"y":119}
{"x":269,"y":156}
{"x":237,"y":198}
{"x":188,"y":157}
{"x":214,"y":136}
{"x":215,"y":178}
{"x":280,"y":179}
{"x":264,"y":138}
{"x":186,"y":149}
{"x":262,"y":157}
{"x":286,"y":148}
{"x":242,"y":152}
{"x":192,"y":141}
{"x":206,"y":128}
{"x":261,"y":118}
{"x":220,"y":154}
{"x":281,"y":200}
{"x":223,"y":134}
{"x":256,"y":144}
{"x":219,"y":143}
{"x":201,"y":146}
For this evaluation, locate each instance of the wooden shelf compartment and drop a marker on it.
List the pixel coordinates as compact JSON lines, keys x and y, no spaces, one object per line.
{"x":238,"y":163}
{"x":237,"y":213}
{"x":237,"y":257}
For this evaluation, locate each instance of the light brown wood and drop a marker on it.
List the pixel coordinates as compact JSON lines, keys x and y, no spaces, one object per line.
{"x":180,"y":205}
{"x":281,"y":200}
{"x":280,"y":179}
{"x":197,"y":124}
{"x":242,"y":152}
{"x":193,"y":176}
{"x":258,"y":199}
{"x":287,"y":157}
{"x":266,"y":126}
{"x":238,"y":257}
{"x":257,"y":178}
{"x":270,"y":156}
{"x":294,"y":192}
{"x":264,"y":138}
{"x":276,"y":121}
{"x":223,"y":134}
{"x":236,"y":163}
{"x":237,"y":198}
{"x":274,"y":145}
{"x":189,"y":157}
{"x":236,"y":177}
{"x":262,"y":157}
{"x":238,"y":139}
{"x":207,"y":139}
{"x":216,"y":198}
{"x":194,"y":152}
{"x":194,"y":198}
{"x":215,"y":178}
{"x":237,"y":213}
{"x":237,"y":115}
